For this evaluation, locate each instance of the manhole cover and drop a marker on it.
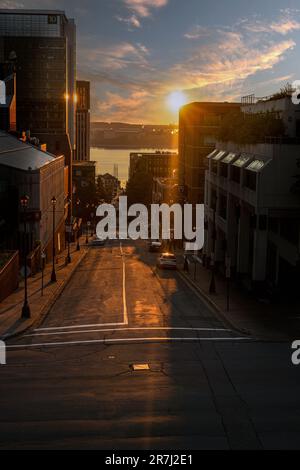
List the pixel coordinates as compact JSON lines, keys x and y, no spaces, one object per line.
{"x":137,"y":367}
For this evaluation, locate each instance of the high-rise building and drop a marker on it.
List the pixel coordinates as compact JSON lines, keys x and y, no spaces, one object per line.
{"x":198,"y":127}
{"x":41,"y":44}
{"x":82,"y":121}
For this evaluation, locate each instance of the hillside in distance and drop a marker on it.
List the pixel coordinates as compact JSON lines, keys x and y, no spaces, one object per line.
{"x":122,"y":135}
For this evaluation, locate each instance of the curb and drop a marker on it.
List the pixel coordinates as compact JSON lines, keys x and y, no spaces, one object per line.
{"x":211,"y":304}
{"x":45,"y":310}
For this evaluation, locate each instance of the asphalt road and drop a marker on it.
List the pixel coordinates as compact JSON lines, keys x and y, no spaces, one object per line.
{"x":71,"y":383}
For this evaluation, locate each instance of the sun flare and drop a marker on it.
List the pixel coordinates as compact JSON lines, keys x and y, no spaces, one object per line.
{"x":175,"y":100}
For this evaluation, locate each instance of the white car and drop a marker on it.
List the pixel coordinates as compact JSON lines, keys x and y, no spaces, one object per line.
{"x":167,"y":261}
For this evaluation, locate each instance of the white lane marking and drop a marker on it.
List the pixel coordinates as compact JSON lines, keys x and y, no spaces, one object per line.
{"x":159,"y":328}
{"x":125,"y":313}
{"x":78,"y":326}
{"x":120,"y":340}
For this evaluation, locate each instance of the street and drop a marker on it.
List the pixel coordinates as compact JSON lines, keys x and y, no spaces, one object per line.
{"x":71,"y":381}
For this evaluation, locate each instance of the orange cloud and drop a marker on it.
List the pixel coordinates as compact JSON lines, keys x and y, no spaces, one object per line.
{"x":283,"y":26}
{"x":143,"y":7}
{"x":229,"y":61}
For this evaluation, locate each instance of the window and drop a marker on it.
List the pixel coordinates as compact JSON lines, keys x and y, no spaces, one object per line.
{"x":235,"y":174}
{"x":223,"y":207}
{"x":250,"y":180}
{"x":224,"y":170}
{"x":214,"y":167}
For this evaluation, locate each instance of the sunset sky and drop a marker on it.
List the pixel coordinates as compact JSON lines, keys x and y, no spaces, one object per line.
{"x":137,"y":52}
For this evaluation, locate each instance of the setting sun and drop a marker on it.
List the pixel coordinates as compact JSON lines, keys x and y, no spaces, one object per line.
{"x":175,"y":100}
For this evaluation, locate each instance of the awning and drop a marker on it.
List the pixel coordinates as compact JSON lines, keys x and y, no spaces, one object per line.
{"x":212,"y":154}
{"x":229,"y":158}
{"x":219,"y":155}
{"x":257,"y":165}
{"x":243,"y":159}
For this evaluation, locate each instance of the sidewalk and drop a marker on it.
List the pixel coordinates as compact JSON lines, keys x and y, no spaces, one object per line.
{"x":246,"y":314}
{"x":11,"y":323}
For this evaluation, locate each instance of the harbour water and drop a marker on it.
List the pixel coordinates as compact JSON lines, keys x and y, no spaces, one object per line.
{"x":107,"y":158}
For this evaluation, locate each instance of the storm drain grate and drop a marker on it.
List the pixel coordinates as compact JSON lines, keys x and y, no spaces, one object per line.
{"x":137,"y":367}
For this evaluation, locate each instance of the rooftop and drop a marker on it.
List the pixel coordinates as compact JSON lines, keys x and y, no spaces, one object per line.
{"x":210,"y":104}
{"x":20,"y":155}
{"x":23,"y":11}
{"x":83,"y":163}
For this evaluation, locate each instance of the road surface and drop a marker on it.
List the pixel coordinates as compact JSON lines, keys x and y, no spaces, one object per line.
{"x":76,"y":381}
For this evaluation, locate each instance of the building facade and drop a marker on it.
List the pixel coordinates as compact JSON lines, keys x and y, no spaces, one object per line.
{"x":252,"y":212}
{"x":111,"y":185}
{"x":165,"y":190}
{"x":198,"y":126}
{"x":84,"y":174}
{"x":26,"y":170}
{"x":41,"y":45}
{"x":158,"y":164}
{"x":82,"y":121}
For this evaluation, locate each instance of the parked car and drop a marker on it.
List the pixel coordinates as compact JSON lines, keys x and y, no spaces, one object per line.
{"x":155,"y":246}
{"x":167,"y":261}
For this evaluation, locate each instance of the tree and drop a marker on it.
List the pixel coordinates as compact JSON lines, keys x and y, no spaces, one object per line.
{"x":100,"y":190}
{"x":139,"y":188}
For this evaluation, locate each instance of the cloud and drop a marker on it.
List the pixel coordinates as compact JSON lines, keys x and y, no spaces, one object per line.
{"x":282,"y":80}
{"x":230,"y":60}
{"x":219,"y":64}
{"x":197,"y":32}
{"x":123,"y":108}
{"x":11,"y":4}
{"x":143,"y":8}
{"x":114,"y":57}
{"x":283,"y":27}
{"x":132,"y":21}
{"x":214,"y":71}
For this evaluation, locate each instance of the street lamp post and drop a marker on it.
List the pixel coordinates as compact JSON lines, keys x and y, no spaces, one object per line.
{"x":43,"y":257}
{"x":88,"y":231}
{"x":87,"y":226}
{"x":26,"y":309}
{"x":68,"y":259}
{"x":77,"y":212}
{"x":53,"y":274}
{"x":212,"y":286}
